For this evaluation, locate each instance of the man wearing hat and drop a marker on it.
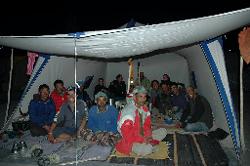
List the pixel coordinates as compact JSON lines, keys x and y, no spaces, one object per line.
{"x":102,"y":117}
{"x":134,"y":125}
{"x":70,"y":120}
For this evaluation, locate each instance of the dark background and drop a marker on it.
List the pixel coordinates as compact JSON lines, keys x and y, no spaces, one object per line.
{"x":39,"y":17}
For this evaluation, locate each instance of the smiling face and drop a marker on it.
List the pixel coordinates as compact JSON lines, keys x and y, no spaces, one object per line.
{"x":155,"y":85}
{"x":175,"y":89}
{"x":71,"y":96}
{"x":44,"y":94}
{"x":140,"y":99}
{"x":191,"y":92}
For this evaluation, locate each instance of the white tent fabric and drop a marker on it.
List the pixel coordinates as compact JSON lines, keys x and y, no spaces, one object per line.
{"x":133,"y":41}
{"x":214,"y":54}
{"x":127,"y":42}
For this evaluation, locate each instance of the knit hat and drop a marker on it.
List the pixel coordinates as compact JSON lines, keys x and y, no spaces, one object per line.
{"x":79,"y":83}
{"x":100,"y":94}
{"x":139,"y":89}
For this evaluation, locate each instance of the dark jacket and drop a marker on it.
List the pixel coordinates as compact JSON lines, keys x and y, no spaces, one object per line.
{"x":118,"y":90}
{"x":99,"y":88}
{"x":41,"y":112}
{"x":201,"y":111}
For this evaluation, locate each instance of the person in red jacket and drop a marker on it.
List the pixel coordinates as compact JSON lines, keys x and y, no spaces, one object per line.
{"x":134,"y":125}
{"x":59,"y":95}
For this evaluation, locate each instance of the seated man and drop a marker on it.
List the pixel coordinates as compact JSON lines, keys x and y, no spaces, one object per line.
{"x":117,"y":88}
{"x":134,"y":125}
{"x":200,"y":117}
{"x":102,"y":117}
{"x":59,"y":95}
{"x":155,"y":94}
{"x":165,"y":99}
{"x":70,"y":120}
{"x":178,"y":101}
{"x":100,"y":87}
{"x":41,"y":112}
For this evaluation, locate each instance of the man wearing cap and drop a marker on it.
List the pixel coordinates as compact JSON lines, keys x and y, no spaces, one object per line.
{"x":102,"y":117}
{"x":70,"y":120}
{"x":134,"y":125}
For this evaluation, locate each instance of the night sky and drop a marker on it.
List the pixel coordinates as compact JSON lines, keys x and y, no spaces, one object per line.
{"x":51,"y":17}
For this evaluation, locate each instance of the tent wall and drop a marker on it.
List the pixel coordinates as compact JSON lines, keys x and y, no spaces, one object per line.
{"x":206,"y":86}
{"x":153,"y":67}
{"x":213,"y":52}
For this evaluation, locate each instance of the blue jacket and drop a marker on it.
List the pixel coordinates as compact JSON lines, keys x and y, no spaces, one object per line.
{"x":103,"y":121}
{"x":42,"y":112}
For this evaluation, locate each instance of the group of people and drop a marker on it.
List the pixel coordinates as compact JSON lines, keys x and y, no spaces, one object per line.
{"x":174,"y":101}
{"x":61,"y":115}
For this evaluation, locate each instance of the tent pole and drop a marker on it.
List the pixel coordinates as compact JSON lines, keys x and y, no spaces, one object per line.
{"x":9,"y":88}
{"x":241,"y":108}
{"x":75,"y":61}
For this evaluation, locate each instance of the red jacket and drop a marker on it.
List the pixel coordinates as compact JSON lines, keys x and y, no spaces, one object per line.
{"x":129,"y":128}
{"x":58,"y":99}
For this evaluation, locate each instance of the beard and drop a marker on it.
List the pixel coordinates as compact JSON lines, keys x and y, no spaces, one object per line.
{"x":102,"y":108}
{"x":139,"y":104}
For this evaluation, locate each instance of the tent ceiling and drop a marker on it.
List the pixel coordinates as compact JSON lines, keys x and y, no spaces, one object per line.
{"x":133,"y":41}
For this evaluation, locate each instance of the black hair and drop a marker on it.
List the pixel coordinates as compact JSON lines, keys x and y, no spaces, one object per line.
{"x":58,"y":82}
{"x":174,"y":83}
{"x":164,"y":83}
{"x":43,"y":86}
{"x":119,"y":75}
{"x":100,"y":79}
{"x":154,"y":81}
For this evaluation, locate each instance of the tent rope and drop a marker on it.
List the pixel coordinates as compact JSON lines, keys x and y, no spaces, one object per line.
{"x":9,"y":88}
